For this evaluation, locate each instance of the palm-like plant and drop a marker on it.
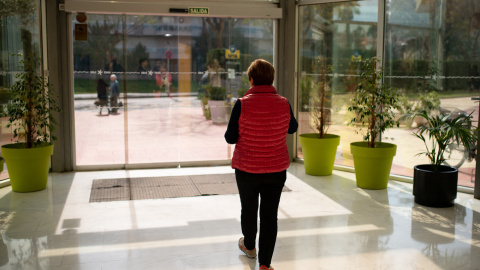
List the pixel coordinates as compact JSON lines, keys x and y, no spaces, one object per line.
{"x":441,"y":131}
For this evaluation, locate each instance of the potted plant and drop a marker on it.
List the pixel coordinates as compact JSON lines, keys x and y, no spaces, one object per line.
{"x":319,"y":149}
{"x":216,"y":103}
{"x":373,"y":103}
{"x":30,"y":113}
{"x":435,"y":184}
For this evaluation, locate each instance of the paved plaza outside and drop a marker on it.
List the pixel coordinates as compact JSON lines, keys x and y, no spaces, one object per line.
{"x":173,"y":129}
{"x":159,"y":130}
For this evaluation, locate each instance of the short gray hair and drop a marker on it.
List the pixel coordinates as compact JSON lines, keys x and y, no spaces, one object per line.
{"x":114,"y":76}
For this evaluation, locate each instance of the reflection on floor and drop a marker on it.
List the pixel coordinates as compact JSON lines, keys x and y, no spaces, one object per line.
{"x":324,"y":223}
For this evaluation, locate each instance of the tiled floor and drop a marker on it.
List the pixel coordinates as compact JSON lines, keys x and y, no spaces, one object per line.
{"x":324,"y":223}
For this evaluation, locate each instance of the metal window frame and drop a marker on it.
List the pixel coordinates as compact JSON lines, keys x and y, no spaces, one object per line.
{"x":70,"y":89}
{"x":243,"y":9}
{"x":43,"y":29}
{"x":314,"y":2}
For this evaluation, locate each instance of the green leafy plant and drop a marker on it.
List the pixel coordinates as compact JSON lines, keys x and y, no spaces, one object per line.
{"x":244,"y":86}
{"x":441,"y":131}
{"x":32,"y":106}
{"x":405,"y":105}
{"x":217,"y":93}
{"x":428,"y":102}
{"x":203,"y":91}
{"x":373,"y":102}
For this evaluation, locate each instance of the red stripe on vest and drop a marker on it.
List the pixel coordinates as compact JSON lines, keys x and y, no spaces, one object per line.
{"x":263,"y":127}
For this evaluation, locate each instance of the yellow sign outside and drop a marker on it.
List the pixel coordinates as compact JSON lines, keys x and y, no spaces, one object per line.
{"x":230,"y":55}
{"x":198,"y":11}
{"x":358,"y":58}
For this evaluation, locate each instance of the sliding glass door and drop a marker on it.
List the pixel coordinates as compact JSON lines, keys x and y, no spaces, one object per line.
{"x":178,"y":78}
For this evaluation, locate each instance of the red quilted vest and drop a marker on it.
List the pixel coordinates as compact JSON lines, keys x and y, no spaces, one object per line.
{"x":263,"y":127}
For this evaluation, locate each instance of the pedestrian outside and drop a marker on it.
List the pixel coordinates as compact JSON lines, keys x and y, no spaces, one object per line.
{"x":114,"y":92}
{"x":142,"y":66}
{"x":259,"y":124}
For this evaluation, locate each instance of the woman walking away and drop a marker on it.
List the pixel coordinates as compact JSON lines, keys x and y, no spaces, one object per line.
{"x":258,"y":125}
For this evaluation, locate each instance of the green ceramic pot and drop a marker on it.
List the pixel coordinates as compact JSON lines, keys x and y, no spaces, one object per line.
{"x":372,"y":165}
{"x":319,"y":154}
{"x":27,"y":168}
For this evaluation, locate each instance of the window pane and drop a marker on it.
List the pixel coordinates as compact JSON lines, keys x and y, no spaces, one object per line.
{"x":432,"y":56}
{"x":339,"y":33}
{"x":19,"y":34}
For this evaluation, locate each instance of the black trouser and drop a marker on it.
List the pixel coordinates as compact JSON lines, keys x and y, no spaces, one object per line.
{"x":269,"y":186}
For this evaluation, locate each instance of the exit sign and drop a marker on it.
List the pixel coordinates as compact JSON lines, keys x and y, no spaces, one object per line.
{"x":198,"y":11}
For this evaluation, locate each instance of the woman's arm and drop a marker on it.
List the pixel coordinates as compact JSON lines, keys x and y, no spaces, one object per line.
{"x":293,"y":126}
{"x":231,"y":135}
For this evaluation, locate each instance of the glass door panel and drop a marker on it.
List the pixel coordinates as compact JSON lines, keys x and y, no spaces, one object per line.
{"x":220,"y":57}
{"x":179,"y":78}
{"x":99,"y":131}
{"x":152,"y":107}
{"x":339,"y":33}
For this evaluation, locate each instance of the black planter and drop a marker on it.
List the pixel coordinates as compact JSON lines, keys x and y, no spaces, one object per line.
{"x":435,"y":188}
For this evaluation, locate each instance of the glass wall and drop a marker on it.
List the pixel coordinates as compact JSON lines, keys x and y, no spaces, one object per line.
{"x":432,"y":56}
{"x":178,"y":78}
{"x":336,"y":34}
{"x":19,"y":34}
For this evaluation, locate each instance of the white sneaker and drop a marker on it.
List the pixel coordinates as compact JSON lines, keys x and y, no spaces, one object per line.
{"x":250,"y":253}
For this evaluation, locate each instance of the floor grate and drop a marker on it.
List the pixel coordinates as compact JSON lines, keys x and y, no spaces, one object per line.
{"x":124,"y":189}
